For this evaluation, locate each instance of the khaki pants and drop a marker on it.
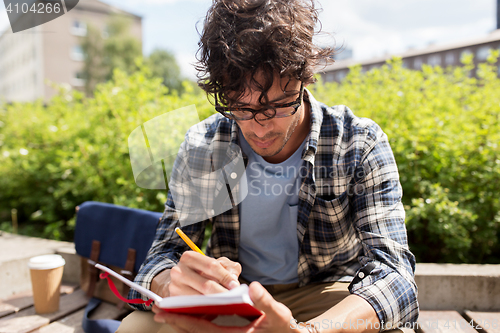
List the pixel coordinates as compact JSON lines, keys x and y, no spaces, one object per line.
{"x":305,"y":303}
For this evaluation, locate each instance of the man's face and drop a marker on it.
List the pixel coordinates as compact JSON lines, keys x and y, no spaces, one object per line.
{"x":278,"y":138}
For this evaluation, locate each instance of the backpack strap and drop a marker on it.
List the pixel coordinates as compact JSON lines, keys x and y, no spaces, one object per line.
{"x":94,"y":257}
{"x":127,"y":272}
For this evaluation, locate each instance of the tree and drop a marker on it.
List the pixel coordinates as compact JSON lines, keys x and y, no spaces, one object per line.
{"x":120,"y":49}
{"x":164,"y":65}
{"x":105,"y":51}
{"x":94,"y":71}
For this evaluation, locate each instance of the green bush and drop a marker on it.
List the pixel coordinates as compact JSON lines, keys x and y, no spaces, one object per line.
{"x":76,"y":149}
{"x":444,"y":129}
{"x":443,"y":126}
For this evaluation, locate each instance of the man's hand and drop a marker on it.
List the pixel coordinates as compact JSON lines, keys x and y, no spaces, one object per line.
{"x":160,"y":284}
{"x":196,"y":274}
{"x":277,"y":318}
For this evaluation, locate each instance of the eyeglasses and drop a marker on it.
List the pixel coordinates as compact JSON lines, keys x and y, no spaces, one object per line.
{"x":274,"y":111}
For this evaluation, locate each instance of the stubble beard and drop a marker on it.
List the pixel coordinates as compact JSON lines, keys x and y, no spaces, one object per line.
{"x":288,"y":135}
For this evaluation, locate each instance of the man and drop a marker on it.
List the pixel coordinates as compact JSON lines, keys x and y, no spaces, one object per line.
{"x":321,"y":234}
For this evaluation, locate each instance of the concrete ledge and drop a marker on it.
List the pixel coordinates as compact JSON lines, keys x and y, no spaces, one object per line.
{"x":441,"y":286}
{"x":458,"y":287}
{"x":15,"y":252}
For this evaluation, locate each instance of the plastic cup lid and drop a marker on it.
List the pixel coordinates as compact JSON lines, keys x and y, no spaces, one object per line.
{"x":48,"y":261}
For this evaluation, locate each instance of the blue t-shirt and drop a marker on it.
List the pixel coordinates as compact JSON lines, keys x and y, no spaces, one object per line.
{"x":269,"y":247}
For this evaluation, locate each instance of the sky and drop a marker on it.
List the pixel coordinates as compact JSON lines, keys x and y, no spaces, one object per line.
{"x":370,"y":28}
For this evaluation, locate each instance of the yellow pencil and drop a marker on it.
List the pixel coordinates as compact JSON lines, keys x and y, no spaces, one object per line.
{"x":188,"y":241}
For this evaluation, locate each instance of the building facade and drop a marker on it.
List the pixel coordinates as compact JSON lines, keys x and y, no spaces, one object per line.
{"x":434,"y":55}
{"x":31,"y":59}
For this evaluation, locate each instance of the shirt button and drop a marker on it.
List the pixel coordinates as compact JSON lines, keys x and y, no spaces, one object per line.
{"x":212,"y":212}
{"x":234,"y":175}
{"x":361,"y":275}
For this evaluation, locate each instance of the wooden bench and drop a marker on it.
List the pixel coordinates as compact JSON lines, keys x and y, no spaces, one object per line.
{"x":17,"y":313}
{"x":453,"y":322}
{"x":489,"y":322}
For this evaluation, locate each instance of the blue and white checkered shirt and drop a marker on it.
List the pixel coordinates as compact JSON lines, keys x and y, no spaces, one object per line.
{"x":350,"y":214}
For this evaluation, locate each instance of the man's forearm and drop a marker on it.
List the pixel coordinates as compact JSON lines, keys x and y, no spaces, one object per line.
{"x":160,"y":282}
{"x":353,"y":314}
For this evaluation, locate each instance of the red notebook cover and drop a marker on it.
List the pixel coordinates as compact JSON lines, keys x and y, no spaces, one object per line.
{"x":242,"y":309}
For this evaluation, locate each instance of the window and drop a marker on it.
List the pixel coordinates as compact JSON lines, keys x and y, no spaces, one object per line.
{"x":78,"y":80}
{"x":341,"y":75}
{"x":450,"y":58}
{"x":483,"y":52}
{"x":435,"y":60}
{"x":417,"y":63}
{"x":79,"y":28}
{"x":77,"y":53}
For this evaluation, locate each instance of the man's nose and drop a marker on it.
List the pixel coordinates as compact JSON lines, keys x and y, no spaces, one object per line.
{"x":261,"y":127}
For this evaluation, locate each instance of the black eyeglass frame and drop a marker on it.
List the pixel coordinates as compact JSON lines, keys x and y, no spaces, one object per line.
{"x":227,"y":111}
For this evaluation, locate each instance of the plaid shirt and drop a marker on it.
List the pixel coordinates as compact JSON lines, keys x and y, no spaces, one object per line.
{"x":350,"y":223}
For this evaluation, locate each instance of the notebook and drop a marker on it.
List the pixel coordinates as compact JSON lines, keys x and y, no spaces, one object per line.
{"x":233,"y":302}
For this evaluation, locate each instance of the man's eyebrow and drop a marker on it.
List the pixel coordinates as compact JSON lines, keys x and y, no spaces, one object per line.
{"x":271,"y":101}
{"x":280,"y":98}
{"x":285,"y":95}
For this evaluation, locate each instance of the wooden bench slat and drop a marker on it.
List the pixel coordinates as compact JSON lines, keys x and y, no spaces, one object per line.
{"x":443,"y":322}
{"x":73,"y":322}
{"x":16,"y":303}
{"x":24,"y":300}
{"x":56,"y":327}
{"x":69,"y":288}
{"x":488,"y":321}
{"x":22,"y":324}
{"x":69,"y":324}
{"x":407,"y":330}
{"x":69,"y":303}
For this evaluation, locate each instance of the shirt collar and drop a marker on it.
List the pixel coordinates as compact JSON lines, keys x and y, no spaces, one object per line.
{"x":311,"y":146}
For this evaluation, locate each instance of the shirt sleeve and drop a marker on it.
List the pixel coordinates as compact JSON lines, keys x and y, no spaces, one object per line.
{"x":386,"y":278}
{"x":167,"y":246}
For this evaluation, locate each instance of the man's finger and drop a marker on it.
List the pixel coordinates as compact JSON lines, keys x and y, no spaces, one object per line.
{"x":263,"y":301}
{"x":231,"y":266}
{"x":260,"y":297}
{"x":189,"y":282}
{"x":211,"y":269}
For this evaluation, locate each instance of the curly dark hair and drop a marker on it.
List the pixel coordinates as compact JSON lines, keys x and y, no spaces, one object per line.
{"x":241,"y":38}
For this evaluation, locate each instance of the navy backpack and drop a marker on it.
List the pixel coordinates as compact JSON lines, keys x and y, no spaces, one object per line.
{"x":114,"y":236}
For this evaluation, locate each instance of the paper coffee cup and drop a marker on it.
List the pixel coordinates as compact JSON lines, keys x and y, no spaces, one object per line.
{"x":46,"y":275}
